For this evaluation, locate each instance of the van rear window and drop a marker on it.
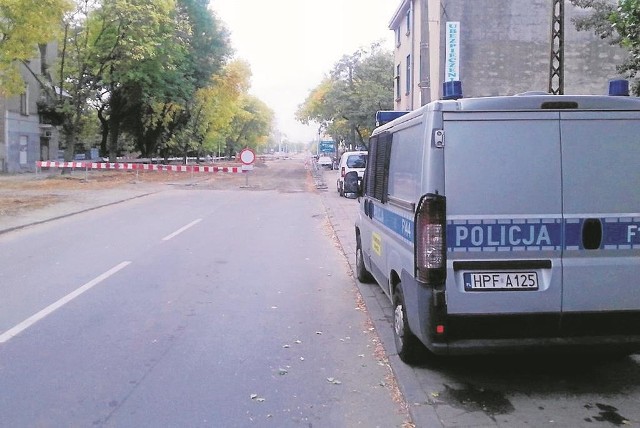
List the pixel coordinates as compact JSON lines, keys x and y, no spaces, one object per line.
{"x":357,"y":161}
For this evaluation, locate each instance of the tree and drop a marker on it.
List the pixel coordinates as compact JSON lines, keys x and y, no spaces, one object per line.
{"x":64,"y":101}
{"x":620,"y":24}
{"x":209,"y":45}
{"x":169,"y":115}
{"x":140,"y":50}
{"x":24,"y":24}
{"x":156,"y":57}
{"x":223,"y":117}
{"x":345,"y":102}
{"x":316,"y":107}
{"x":219,"y":103}
{"x":250,"y":126}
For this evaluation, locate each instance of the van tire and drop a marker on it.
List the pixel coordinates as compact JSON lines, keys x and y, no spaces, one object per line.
{"x":407,"y":344}
{"x":361,"y":271}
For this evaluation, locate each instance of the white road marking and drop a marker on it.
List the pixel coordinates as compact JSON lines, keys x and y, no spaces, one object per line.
{"x":182,"y":229}
{"x":7,"y":335}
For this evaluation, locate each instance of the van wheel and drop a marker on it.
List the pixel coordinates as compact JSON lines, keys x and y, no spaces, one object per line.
{"x":361,"y":271}
{"x":407,"y":344}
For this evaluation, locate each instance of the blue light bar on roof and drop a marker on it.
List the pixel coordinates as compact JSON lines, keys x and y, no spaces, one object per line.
{"x":452,"y":90}
{"x":619,"y":88}
{"x":386,"y":116}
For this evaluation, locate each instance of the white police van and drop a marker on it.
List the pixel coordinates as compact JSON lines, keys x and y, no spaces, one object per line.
{"x":507,"y":223}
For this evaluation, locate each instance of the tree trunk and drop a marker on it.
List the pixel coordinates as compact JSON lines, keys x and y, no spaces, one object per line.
{"x":104,"y":133}
{"x":114,"y":130}
{"x":69,"y":150}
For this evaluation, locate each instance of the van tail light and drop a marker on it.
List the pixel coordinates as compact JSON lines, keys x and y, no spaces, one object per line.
{"x":430,"y":242}
{"x":342,"y":172}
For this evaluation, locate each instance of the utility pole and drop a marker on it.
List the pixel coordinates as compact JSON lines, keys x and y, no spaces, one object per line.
{"x":556,"y":59}
{"x":425,"y":67}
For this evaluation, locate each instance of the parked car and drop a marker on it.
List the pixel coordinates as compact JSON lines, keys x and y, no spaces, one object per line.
{"x":351,"y":161}
{"x":325,"y":161}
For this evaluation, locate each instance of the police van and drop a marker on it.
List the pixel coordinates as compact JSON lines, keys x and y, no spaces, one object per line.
{"x":507,"y":223}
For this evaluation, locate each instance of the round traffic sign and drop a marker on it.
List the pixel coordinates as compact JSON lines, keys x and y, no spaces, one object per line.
{"x":247,"y":156}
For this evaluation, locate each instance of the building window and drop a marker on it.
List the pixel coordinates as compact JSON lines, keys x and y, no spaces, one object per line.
{"x":397,"y":78}
{"x":408,"y":22}
{"x":408,"y":77}
{"x":398,"y":36}
{"x":24,"y":102}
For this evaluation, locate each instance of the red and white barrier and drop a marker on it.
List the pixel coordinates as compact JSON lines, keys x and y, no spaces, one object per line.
{"x":138,"y":167}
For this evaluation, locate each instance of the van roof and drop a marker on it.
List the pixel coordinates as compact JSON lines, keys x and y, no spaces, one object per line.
{"x":537,"y":101}
{"x":532,"y":101}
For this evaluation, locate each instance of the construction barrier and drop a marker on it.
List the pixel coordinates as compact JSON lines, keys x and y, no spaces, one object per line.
{"x":138,"y":167}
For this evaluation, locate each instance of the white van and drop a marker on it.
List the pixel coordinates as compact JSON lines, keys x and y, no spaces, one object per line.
{"x":506,"y":224}
{"x":350,"y":161}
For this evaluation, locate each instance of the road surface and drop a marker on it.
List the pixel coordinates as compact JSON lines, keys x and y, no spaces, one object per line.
{"x":193,"y":306}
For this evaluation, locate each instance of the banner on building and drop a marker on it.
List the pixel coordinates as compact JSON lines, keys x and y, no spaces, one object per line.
{"x":452,"y":52}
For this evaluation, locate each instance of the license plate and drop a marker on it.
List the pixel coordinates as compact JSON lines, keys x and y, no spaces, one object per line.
{"x":490,"y":281}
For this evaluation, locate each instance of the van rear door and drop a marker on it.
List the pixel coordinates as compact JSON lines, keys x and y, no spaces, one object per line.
{"x":504,"y":213}
{"x":601,"y":202}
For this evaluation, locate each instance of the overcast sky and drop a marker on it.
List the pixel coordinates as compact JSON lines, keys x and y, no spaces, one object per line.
{"x":292,"y":44}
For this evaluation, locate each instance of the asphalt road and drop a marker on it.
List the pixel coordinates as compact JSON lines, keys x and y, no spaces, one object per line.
{"x":193,"y":306}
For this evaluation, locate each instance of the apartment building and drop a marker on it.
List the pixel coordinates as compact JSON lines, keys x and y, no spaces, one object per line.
{"x":495,"y":47}
{"x":23,"y":138}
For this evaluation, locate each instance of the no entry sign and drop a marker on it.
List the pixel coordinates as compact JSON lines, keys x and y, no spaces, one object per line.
{"x":247,"y":156}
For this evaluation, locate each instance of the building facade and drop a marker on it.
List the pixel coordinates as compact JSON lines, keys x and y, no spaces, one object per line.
{"x":23,"y":138}
{"x":498,"y":47}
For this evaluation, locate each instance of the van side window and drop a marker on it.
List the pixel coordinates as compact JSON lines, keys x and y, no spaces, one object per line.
{"x":405,"y":165}
{"x":367,"y":184}
{"x":377,"y":175}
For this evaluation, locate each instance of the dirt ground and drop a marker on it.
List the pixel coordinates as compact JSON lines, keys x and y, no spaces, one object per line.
{"x":30,"y":191}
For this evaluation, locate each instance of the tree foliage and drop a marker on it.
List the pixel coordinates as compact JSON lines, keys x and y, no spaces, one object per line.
{"x":250,"y":125}
{"x":344,"y":104}
{"x":219,"y":103}
{"x":208,"y":41}
{"x":620,"y":23}
{"x":65,"y":91}
{"x":212,"y":110}
{"x":24,"y":24}
{"x":154,"y":77}
{"x":140,"y":50}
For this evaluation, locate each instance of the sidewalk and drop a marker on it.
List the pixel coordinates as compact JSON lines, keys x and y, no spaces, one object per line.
{"x":59,"y":203}
{"x":342,"y":214}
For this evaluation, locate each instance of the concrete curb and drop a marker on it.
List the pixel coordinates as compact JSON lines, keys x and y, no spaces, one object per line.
{"x":71,"y":212}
